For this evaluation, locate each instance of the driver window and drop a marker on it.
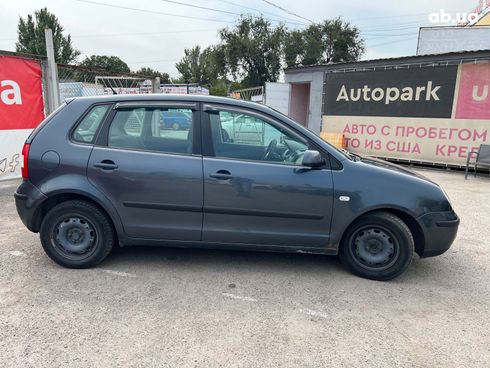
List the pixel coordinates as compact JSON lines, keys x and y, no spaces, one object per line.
{"x":246,"y":137}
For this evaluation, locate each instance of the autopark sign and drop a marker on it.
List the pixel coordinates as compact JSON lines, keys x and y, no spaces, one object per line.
{"x":430,"y":114}
{"x":21,"y":109}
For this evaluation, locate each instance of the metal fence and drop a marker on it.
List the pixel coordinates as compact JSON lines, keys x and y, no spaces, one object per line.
{"x":255,"y":94}
{"x":183,"y":89}
{"x":78,"y":81}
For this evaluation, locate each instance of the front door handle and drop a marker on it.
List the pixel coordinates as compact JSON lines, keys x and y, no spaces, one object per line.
{"x":106,"y":165}
{"x":221,"y":175}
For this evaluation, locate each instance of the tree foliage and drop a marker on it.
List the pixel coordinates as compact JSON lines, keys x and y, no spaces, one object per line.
{"x":330,"y":41}
{"x":252,"y":50}
{"x":199,"y":67}
{"x":164,"y":77}
{"x":110,"y":63}
{"x":31,"y":38}
{"x":219,"y":88}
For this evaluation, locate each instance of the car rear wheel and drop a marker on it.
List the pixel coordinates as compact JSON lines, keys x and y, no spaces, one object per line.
{"x":378,"y":246}
{"x":77,"y":234}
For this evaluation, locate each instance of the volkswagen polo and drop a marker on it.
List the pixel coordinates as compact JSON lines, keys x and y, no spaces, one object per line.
{"x":104,"y":171}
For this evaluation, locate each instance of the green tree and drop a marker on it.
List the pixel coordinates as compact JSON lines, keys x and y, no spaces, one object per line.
{"x":252,"y":50}
{"x":212,"y":64}
{"x":329,"y":41}
{"x":189,"y":66}
{"x":218,"y":88}
{"x":164,"y":77}
{"x":31,"y":37}
{"x":199,"y":67}
{"x":110,"y":63}
{"x":293,"y":47}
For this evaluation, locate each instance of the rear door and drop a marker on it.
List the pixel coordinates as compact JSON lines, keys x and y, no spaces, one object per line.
{"x":151,"y":171}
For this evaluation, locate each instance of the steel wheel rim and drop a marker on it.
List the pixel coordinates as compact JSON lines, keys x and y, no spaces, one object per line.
{"x":374,"y":248}
{"x":74,"y":237}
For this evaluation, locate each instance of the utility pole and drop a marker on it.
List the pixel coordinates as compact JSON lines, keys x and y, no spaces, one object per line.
{"x":155,"y":85}
{"x":52,"y":78}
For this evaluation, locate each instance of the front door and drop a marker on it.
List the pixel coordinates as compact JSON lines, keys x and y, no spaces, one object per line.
{"x":255,"y":189}
{"x":151,"y":170}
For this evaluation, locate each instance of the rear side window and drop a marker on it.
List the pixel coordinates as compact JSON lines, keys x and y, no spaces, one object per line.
{"x":165,"y":130}
{"x":86,"y":129}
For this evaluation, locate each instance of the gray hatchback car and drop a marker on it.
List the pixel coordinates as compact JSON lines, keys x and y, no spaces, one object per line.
{"x":102,"y":171}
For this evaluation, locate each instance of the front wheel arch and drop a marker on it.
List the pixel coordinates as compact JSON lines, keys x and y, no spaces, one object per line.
{"x":408,"y":219}
{"x":378,"y":246}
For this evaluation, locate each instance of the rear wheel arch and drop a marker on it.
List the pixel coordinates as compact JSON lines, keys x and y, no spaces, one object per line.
{"x":77,"y":234}
{"x":60,"y":197}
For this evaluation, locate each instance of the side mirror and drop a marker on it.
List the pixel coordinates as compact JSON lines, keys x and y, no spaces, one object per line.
{"x":312,"y":159}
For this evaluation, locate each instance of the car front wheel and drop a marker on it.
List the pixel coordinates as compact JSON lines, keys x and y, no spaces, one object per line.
{"x":377,"y":246}
{"x":77,"y":234}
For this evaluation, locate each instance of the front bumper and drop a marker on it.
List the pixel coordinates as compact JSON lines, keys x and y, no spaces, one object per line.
{"x":27,"y":200}
{"x":440,"y":229}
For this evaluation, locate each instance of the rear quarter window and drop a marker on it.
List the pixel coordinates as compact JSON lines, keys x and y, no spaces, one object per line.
{"x":88,"y":126}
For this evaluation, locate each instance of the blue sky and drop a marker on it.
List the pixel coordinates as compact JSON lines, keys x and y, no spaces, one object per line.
{"x":144,"y":36}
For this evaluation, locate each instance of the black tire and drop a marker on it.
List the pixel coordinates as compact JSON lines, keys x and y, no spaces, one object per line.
{"x":377,"y":246}
{"x":77,"y":234}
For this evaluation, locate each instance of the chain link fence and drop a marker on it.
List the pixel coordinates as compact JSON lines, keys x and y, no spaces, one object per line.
{"x":78,"y":81}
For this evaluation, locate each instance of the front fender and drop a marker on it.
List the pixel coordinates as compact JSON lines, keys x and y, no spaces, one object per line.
{"x":344,"y":217}
{"x":361,"y":188}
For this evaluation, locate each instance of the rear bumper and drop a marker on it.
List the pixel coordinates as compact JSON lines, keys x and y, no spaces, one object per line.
{"x":27,"y":200}
{"x":440,"y":229}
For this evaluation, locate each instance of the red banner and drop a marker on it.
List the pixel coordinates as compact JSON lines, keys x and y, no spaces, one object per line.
{"x":21,"y":98}
{"x":474,"y":92}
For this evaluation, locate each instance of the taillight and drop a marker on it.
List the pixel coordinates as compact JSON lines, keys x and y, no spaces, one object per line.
{"x":25,"y":161}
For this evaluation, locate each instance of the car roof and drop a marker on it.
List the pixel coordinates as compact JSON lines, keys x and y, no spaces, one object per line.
{"x":174,"y":97}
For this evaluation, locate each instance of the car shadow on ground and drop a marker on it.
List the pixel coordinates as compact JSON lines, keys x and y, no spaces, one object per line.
{"x":221,"y":259}
{"x":266,"y":263}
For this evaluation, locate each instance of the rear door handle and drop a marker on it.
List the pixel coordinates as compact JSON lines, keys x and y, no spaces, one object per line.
{"x":221,"y":175}
{"x":106,"y":165}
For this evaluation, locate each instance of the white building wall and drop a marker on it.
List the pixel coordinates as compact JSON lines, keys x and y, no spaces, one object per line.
{"x":277,"y":96}
{"x":316,"y":95}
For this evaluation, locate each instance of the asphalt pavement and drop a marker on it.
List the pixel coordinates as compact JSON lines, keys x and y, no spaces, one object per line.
{"x":168,"y":307}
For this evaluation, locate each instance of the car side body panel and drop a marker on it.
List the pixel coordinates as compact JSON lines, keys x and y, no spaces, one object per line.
{"x":58,"y":166}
